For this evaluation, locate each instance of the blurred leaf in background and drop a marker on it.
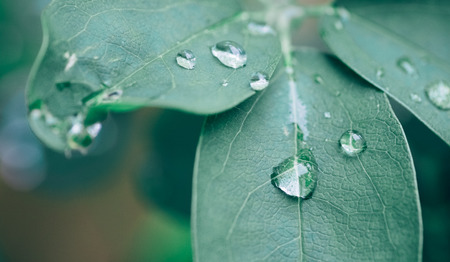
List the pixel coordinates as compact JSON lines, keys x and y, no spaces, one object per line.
{"x":166,"y":178}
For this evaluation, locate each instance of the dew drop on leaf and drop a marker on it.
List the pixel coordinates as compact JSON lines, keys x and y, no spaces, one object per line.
{"x":259,"y":81}
{"x":260,"y":29}
{"x":230,"y":54}
{"x":380,"y":73}
{"x":338,"y":25}
{"x":79,"y":137}
{"x":352,"y":143}
{"x":297,"y":175}
{"x":439,"y":94}
{"x":327,"y":115}
{"x":186,"y":59}
{"x":318,"y":79}
{"x":224,"y":83}
{"x":415,"y":97}
{"x":406,"y":66}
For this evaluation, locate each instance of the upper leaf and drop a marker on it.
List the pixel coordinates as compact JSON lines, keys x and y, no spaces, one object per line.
{"x":397,"y":65}
{"x":117,"y":55}
{"x":364,"y":207}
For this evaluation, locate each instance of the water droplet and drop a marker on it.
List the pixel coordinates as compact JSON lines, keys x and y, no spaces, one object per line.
{"x":260,"y":29}
{"x":343,"y":13}
{"x":112,"y":96}
{"x":224,"y":82}
{"x":230,"y":54}
{"x":406,"y":66}
{"x":79,"y":137}
{"x":439,"y":94}
{"x":338,"y":25}
{"x":327,"y":115}
{"x":186,"y":59}
{"x":352,"y":143}
{"x":415,"y":97}
{"x":318,"y":79}
{"x":259,"y":81}
{"x":297,"y":175}
{"x":380,"y":73}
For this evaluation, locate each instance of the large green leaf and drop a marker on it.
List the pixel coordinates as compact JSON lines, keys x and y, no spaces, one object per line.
{"x":364,"y":208}
{"x":395,"y":64}
{"x":120,"y":55}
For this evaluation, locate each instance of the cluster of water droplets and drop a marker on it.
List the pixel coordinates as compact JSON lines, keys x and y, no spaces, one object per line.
{"x":72,"y":130}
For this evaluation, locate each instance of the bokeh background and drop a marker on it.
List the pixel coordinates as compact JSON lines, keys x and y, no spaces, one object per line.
{"x":129,"y":199}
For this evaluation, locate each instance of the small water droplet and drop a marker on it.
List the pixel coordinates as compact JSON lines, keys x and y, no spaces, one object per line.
{"x":260,"y":29}
{"x":259,"y":81}
{"x":327,"y":115}
{"x":380,"y":73}
{"x":352,"y":143}
{"x":406,"y":66}
{"x":230,"y":54}
{"x":318,"y":79}
{"x":415,"y":97}
{"x":439,"y":94}
{"x":112,"y":96}
{"x":186,"y":59}
{"x":338,"y":25}
{"x":297,"y":175}
{"x":343,"y":13}
{"x":224,"y":82}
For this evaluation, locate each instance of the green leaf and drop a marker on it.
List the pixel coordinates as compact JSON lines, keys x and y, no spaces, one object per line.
{"x":118,"y":55}
{"x":423,"y":22}
{"x":364,"y":208}
{"x":394,"y":64}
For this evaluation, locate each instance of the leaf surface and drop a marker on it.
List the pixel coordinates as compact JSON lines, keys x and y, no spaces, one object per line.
{"x":364,"y":208}
{"x":394,"y":62}
{"x":120,"y":55}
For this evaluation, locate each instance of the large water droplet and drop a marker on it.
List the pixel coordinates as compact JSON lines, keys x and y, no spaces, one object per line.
{"x":415,"y":97}
{"x":439,"y":94}
{"x":230,"y":54}
{"x":296,"y":175}
{"x":352,"y":143}
{"x":406,"y":66}
{"x":79,"y":137}
{"x":186,"y":59}
{"x":260,"y":29}
{"x":259,"y":81}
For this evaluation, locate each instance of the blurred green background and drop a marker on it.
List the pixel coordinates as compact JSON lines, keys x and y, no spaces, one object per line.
{"x":129,"y":199}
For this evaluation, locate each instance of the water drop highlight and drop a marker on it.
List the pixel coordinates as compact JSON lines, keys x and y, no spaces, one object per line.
{"x":259,"y":81}
{"x":415,"y":97}
{"x":259,"y":29}
{"x":186,"y":59}
{"x":230,"y":54}
{"x":439,"y":94}
{"x":380,"y":73}
{"x":297,"y":175}
{"x":406,"y":66}
{"x":318,"y":79}
{"x":327,"y":115}
{"x":352,"y":143}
